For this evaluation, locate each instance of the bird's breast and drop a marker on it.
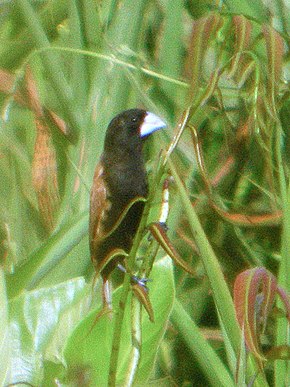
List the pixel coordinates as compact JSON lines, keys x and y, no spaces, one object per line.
{"x":126,"y":181}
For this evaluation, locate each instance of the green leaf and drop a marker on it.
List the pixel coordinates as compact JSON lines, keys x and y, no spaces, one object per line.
{"x":45,"y":258}
{"x":5,"y":352}
{"x":214,"y":369}
{"x":255,"y":9}
{"x":212,"y":267}
{"x":35,"y":319}
{"x":91,"y":348}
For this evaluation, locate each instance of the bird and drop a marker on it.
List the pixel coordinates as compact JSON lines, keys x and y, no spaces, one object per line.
{"x":120,"y":178}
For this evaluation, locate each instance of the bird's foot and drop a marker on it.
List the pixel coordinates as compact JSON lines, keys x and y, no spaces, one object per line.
{"x":135,"y":279}
{"x":140,"y":281}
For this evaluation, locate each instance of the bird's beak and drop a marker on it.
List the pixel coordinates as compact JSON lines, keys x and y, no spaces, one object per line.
{"x":150,"y":124}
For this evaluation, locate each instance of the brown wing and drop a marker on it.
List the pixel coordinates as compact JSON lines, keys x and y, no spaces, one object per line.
{"x":99,"y":206}
{"x":112,"y":226}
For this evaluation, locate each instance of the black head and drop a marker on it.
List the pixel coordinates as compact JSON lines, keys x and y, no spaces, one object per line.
{"x":128,"y":129}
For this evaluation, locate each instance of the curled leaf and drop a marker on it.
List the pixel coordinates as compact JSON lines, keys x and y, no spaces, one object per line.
{"x":254,"y":295}
{"x":158,"y":232}
{"x":143,"y":296}
{"x":275,"y":51}
{"x":243,"y":29}
{"x":202,"y":32}
{"x":244,"y":220}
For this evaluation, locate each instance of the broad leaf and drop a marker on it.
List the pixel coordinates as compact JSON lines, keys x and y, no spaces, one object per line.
{"x":34,"y":319}
{"x":90,"y":349}
{"x":5,"y":349}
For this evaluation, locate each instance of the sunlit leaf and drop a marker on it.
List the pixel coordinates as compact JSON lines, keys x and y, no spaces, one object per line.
{"x":257,"y":10}
{"x":59,"y":123}
{"x":34,"y":318}
{"x":92,"y":348}
{"x":5,"y":344}
{"x":245,"y":72}
{"x":285,"y":300}
{"x":199,"y":158}
{"x":47,"y":256}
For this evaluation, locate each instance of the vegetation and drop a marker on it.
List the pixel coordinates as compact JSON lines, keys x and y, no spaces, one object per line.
{"x":217,"y":73}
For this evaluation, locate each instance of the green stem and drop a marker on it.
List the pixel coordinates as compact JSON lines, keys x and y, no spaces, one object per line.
{"x":113,"y":59}
{"x":124,"y":295}
{"x":136,"y":334}
{"x":221,"y":292}
{"x":126,"y":288}
{"x":282,"y":371}
{"x":118,"y":331}
{"x":208,"y":360}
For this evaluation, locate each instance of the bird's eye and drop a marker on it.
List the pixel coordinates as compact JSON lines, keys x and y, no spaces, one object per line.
{"x":134,"y":119}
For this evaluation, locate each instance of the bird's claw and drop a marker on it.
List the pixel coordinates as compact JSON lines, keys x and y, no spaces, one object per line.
{"x":135,"y":279}
{"x":164,"y":226}
{"x":140,"y":281}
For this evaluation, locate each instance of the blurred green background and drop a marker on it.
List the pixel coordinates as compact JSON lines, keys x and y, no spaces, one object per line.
{"x":218,"y":68}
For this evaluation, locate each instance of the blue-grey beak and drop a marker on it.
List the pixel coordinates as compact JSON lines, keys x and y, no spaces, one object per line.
{"x":150,"y":124}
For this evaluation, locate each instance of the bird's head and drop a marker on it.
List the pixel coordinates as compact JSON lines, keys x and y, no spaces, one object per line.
{"x":129,"y":128}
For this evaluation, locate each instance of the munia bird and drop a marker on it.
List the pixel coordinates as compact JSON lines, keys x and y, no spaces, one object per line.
{"x":120,"y":177}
